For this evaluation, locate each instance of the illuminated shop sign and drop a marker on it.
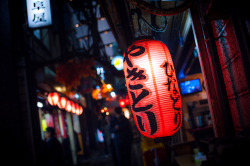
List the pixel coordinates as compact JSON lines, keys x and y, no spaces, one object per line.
{"x":117,"y":61}
{"x":39,"y":13}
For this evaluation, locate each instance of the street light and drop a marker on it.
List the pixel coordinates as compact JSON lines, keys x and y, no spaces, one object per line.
{"x":112,"y":94}
{"x":39,"y":104}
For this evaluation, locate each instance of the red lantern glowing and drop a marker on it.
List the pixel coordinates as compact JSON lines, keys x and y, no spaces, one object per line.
{"x":69,"y":106}
{"x":126,"y":100}
{"x":62,"y":102}
{"x":122,"y":103}
{"x":53,"y":98}
{"x":79,"y":110}
{"x":74,"y":108}
{"x":152,"y":88}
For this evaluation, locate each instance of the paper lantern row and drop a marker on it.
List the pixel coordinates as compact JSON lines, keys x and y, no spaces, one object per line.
{"x":63,"y":103}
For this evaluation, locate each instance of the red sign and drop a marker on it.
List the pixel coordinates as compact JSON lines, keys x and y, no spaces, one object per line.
{"x":152,"y":88}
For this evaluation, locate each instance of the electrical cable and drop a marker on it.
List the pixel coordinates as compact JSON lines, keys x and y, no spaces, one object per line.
{"x":152,"y":27}
{"x":140,"y":18}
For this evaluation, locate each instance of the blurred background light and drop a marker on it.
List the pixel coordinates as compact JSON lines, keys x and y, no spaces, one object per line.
{"x":39,"y":104}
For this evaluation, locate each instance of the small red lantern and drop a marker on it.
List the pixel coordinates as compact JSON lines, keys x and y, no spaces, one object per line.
{"x":77,"y":109}
{"x":69,"y":106}
{"x":126,"y":101}
{"x":53,"y":98}
{"x":152,"y":88}
{"x":62,"y":102}
{"x":74,"y":108}
{"x":80,"y":110}
{"x":122,"y":103}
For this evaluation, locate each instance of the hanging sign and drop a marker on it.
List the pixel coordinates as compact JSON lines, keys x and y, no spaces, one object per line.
{"x":152,"y":88}
{"x":39,"y":13}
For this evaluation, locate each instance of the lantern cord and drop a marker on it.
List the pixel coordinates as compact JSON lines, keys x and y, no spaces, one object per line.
{"x":154,"y":28}
{"x":140,"y":19}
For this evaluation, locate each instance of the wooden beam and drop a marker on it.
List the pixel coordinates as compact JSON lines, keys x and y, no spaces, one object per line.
{"x":221,"y":124}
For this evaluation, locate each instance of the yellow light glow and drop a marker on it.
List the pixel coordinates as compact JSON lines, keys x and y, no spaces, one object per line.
{"x":126,"y":112}
{"x":44,"y":124}
{"x":61,"y":89}
{"x":109,"y":86}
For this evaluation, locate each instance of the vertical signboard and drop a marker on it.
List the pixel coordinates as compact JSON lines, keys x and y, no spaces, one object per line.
{"x":39,"y":13}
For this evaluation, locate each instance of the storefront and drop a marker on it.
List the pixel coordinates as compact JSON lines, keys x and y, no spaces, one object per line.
{"x":66,"y":125}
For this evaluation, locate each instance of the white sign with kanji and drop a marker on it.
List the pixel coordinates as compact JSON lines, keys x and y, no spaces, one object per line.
{"x":39,"y":13}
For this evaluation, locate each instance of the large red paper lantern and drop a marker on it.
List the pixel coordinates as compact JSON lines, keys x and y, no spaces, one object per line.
{"x":62,"y":102}
{"x":53,"y":98}
{"x":152,"y":88}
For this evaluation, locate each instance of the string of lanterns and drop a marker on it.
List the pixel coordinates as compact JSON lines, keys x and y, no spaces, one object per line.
{"x":54,"y":99}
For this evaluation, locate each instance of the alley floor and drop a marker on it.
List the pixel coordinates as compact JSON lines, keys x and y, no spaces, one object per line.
{"x":97,"y":159}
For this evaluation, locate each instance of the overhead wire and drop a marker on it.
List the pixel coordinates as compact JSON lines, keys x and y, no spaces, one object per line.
{"x":154,"y":28}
